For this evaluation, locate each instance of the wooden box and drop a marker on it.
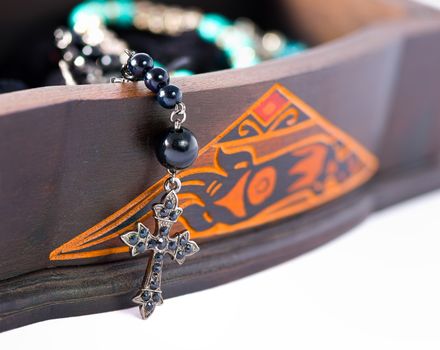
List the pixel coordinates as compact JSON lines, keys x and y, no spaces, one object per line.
{"x":294,"y":152}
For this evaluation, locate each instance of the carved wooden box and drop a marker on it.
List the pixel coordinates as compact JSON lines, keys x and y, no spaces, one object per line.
{"x":294,"y":152}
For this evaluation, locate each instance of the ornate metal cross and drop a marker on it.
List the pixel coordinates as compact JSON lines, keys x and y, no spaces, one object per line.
{"x":160,"y":243}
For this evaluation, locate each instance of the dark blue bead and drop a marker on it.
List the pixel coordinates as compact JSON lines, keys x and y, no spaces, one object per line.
{"x":154,"y":285}
{"x":143,"y":232}
{"x":139,"y":64}
{"x":133,"y":239}
{"x":188,"y":248}
{"x":180,"y":255}
{"x":156,"y":79}
{"x":151,"y":243}
{"x":163,"y":213}
{"x":149,"y":306}
{"x":164,"y":230}
{"x":169,"y":205}
{"x":156,"y":297}
{"x":177,"y":149}
{"x":169,"y":96}
{"x":141,"y":247}
{"x":161,"y":243}
{"x":172,"y":245}
{"x":173,"y":215}
{"x":145,"y":296}
{"x":156,"y":267}
{"x":158,"y":256}
{"x":183,"y":240}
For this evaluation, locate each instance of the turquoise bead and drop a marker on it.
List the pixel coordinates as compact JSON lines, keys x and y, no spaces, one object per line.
{"x":211,"y":26}
{"x":182,"y":73}
{"x":158,"y":64}
{"x":124,"y":11}
{"x":243,"y":59}
{"x":119,"y":12}
{"x":236,"y":40}
{"x":292,"y":48}
{"x":84,"y":10}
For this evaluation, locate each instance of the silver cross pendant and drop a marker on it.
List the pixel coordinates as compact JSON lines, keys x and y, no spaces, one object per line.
{"x":159,"y":243}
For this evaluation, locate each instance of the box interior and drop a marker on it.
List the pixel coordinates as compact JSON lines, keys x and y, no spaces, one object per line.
{"x":28,"y":52}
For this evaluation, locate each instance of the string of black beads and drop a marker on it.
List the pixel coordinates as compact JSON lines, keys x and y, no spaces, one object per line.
{"x":177,"y":147}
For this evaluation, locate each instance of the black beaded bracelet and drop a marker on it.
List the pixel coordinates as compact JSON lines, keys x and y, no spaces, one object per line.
{"x":176,"y":149}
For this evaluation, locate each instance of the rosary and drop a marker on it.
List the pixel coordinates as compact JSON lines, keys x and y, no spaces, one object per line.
{"x":176,"y":149}
{"x":92,"y":53}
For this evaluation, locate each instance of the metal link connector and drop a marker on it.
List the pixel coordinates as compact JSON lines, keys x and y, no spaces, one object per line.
{"x":178,"y":116}
{"x":126,"y":75}
{"x":173,"y":183}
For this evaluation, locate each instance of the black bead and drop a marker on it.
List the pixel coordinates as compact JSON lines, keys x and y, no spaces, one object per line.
{"x":139,"y":64}
{"x":156,"y":79}
{"x":177,"y":149}
{"x":169,"y":96}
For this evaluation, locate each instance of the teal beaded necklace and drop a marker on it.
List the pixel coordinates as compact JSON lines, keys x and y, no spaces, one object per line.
{"x":240,"y":40}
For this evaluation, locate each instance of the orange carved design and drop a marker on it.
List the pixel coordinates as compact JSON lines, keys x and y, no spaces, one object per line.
{"x":233,"y":200}
{"x":262,"y":185}
{"x":278,"y":159}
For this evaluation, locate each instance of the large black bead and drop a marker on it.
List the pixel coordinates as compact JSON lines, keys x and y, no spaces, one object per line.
{"x":139,"y":64}
{"x":156,"y":79}
{"x":177,"y":149}
{"x":169,"y":96}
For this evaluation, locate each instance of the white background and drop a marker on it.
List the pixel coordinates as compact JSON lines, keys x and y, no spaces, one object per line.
{"x":377,"y":287}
